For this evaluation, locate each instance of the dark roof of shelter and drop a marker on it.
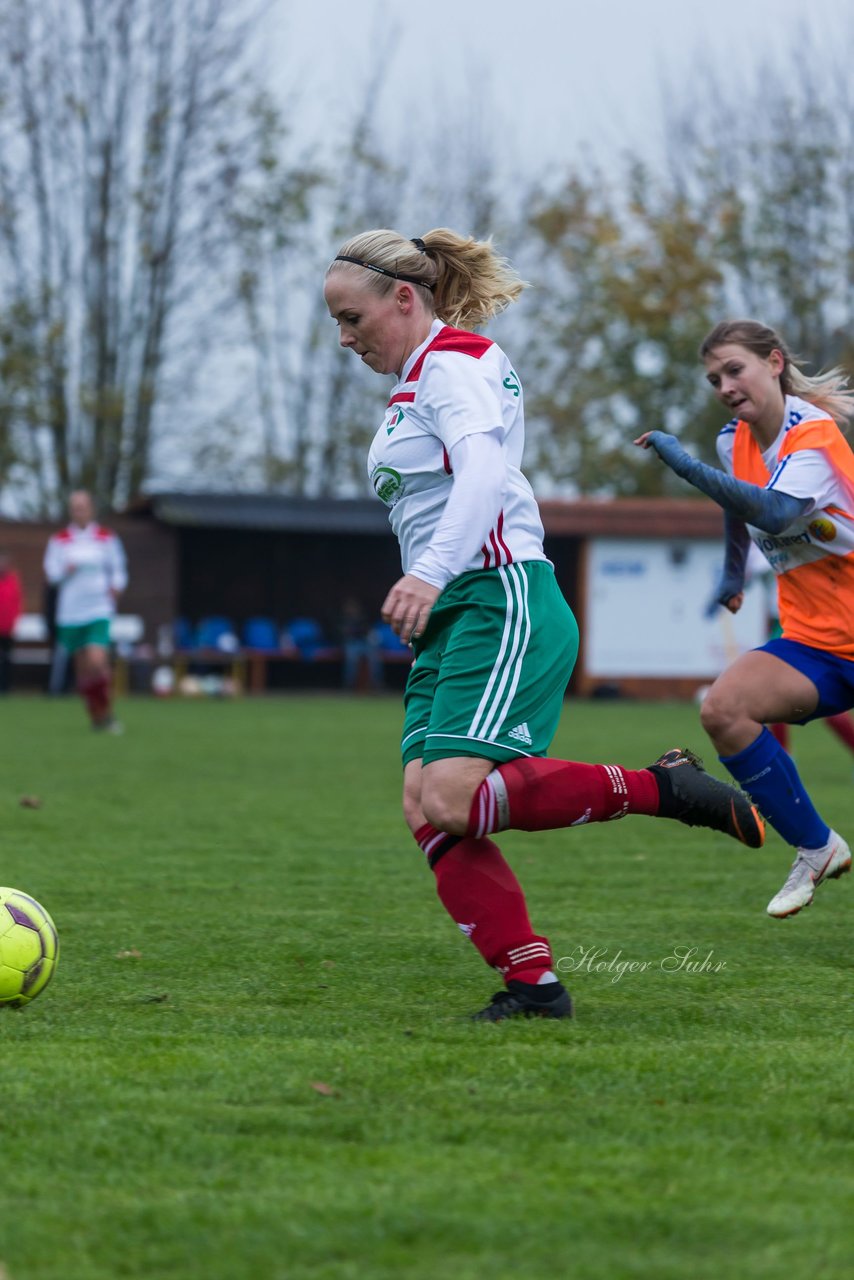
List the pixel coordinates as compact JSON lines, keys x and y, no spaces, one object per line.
{"x":580,"y":517}
{"x":270,"y":511}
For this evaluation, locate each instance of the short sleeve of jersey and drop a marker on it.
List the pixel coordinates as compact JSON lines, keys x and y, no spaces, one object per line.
{"x":724,"y":443}
{"x":461,"y":396}
{"x":807,"y":473}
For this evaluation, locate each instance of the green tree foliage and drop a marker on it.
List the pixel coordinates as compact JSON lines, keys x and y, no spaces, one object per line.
{"x":752,"y":215}
{"x":625,"y":292}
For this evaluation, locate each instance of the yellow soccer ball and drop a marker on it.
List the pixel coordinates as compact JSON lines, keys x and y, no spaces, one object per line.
{"x":29,"y":948}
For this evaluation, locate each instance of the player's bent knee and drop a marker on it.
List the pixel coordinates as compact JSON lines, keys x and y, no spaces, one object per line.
{"x":445,"y":812}
{"x":448,"y":788}
{"x":717,"y":714}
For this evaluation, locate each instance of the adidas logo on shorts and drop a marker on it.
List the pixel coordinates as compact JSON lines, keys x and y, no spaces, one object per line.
{"x":521,"y":734}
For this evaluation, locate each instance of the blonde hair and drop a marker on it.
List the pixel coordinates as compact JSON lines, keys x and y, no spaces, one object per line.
{"x":828,"y":390}
{"x":465,"y":281}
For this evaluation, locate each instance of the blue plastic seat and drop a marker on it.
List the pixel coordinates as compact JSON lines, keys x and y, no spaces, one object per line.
{"x":213,"y":633}
{"x":306,"y":635}
{"x":260,"y":633}
{"x":183,"y":634}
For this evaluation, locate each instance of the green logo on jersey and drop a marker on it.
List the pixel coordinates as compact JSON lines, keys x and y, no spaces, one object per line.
{"x":395,"y":420}
{"x":388,"y":484}
{"x":511,"y":382}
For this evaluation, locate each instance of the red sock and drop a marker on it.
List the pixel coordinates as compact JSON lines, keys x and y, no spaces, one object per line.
{"x":781,"y":733}
{"x":88,"y":692}
{"x":843,"y":727}
{"x":541,"y":795}
{"x":483,"y":897}
{"x":96,"y":693}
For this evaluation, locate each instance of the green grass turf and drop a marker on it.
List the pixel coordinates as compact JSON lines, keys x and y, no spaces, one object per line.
{"x":160,"y":1116}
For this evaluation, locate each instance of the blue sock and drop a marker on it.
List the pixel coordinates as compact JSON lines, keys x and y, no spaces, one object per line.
{"x":768,"y":774}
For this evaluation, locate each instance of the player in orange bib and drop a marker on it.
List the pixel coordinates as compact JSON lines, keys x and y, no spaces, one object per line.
{"x":787,"y":484}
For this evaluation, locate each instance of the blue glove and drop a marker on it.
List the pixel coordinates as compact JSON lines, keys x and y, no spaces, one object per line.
{"x":736,"y":548}
{"x":765,"y":509}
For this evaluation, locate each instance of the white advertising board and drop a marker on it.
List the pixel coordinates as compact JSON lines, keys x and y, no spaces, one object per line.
{"x":645,"y":610}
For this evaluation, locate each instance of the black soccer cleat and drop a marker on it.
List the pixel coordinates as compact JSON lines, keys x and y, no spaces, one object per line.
{"x":692,"y":796}
{"x":525,"y":1000}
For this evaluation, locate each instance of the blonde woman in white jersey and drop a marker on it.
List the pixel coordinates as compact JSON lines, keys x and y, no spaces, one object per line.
{"x":493,"y":638}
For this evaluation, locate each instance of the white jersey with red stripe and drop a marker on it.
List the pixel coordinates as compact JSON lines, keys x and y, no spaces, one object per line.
{"x":88,"y":565}
{"x":455,"y":384}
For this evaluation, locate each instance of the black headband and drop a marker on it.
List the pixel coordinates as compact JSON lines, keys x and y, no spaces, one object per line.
{"x":383,"y":271}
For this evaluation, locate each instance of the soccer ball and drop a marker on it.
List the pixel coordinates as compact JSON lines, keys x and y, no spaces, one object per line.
{"x":29,"y":948}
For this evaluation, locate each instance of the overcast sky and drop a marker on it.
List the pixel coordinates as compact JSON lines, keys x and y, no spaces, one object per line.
{"x":560,"y":74}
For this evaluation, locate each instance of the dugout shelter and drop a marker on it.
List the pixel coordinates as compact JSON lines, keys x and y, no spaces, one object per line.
{"x":638,"y":572}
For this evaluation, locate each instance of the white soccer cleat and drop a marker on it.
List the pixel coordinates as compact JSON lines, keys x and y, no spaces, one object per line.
{"x":110,"y":725}
{"x":810,"y":869}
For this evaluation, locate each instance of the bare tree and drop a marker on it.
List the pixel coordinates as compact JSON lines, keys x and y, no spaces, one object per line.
{"x":127,"y":129}
{"x":317,"y":413}
{"x":775,"y":197}
{"x":319,"y":407}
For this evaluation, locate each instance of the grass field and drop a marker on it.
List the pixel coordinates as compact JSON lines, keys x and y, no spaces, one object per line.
{"x":279,"y":1081}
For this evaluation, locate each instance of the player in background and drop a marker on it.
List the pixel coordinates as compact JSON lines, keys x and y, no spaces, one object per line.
{"x":493,"y":638}
{"x":86,"y":562}
{"x":787,"y":484}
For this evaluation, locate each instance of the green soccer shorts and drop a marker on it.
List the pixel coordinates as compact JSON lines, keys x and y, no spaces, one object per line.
{"x":491,"y":668}
{"x":79,"y":636}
